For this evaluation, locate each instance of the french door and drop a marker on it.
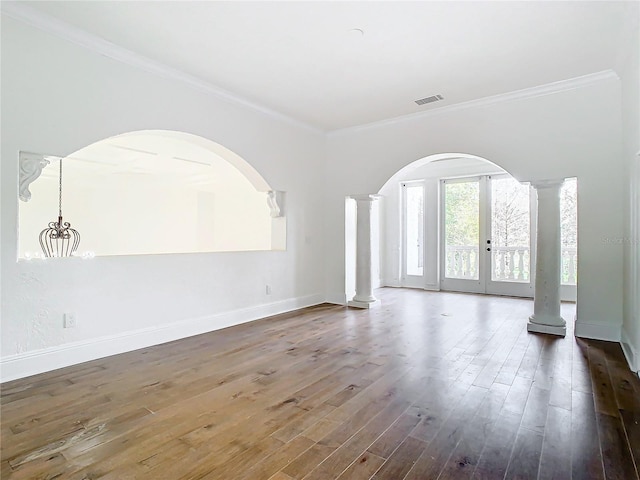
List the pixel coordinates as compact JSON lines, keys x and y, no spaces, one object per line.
{"x":486,"y":232}
{"x":413,"y":245}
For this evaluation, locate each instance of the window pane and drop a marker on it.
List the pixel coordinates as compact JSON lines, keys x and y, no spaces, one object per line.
{"x":415,"y":229}
{"x":569,"y":231}
{"x":462,"y":229}
{"x":510,"y":231}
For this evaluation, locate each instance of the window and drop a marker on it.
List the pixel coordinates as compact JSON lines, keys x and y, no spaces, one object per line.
{"x":569,"y":231}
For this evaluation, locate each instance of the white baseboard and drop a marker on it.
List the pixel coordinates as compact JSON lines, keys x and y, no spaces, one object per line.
{"x":630,"y":352}
{"x":38,"y":361}
{"x":596,"y":331}
{"x":336,"y":298}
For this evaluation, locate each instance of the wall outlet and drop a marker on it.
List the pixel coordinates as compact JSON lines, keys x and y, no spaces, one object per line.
{"x":70,"y":320}
{"x":267,"y":289}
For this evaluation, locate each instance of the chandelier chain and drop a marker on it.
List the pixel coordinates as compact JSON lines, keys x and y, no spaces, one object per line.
{"x":60,"y":191}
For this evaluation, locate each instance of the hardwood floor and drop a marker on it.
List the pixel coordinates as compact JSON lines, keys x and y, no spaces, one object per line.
{"x":428,"y":385}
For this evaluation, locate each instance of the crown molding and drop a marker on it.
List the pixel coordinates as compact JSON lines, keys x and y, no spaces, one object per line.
{"x":532,"y":92}
{"x":47,"y":23}
{"x":42,"y":21}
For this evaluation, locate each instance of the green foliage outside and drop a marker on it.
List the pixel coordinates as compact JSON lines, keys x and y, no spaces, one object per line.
{"x":461,"y":214}
{"x":510,"y":223}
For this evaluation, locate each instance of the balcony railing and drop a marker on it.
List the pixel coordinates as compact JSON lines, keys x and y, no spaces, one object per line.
{"x":461,"y":262}
{"x":509,"y":264}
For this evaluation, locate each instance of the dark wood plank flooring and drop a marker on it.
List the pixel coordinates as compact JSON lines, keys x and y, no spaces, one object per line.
{"x":425,"y":386}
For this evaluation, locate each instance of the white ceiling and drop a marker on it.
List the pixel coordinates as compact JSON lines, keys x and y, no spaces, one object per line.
{"x":302,"y":59}
{"x":147,"y":158}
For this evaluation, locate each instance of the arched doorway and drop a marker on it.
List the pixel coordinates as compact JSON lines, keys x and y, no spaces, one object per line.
{"x":459,"y":222}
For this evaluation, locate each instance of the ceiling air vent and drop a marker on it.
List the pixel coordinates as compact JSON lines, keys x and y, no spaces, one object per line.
{"x":431,"y":99}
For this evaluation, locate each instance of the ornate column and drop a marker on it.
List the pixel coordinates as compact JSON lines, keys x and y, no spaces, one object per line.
{"x":364,"y":266}
{"x":546,"y":303}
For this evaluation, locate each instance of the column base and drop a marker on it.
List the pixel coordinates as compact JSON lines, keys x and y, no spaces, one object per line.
{"x":551,"y":320}
{"x":548,"y":329}
{"x":360,"y":304}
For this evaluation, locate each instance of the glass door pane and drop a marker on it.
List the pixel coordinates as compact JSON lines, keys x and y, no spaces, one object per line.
{"x":569,"y":231}
{"x":569,"y":239}
{"x":510,"y":231}
{"x":462,"y":229}
{"x":414,"y":230}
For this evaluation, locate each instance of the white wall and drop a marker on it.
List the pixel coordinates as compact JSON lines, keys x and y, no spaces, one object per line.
{"x":570,"y":133}
{"x":629,"y":67}
{"x":58,"y":97}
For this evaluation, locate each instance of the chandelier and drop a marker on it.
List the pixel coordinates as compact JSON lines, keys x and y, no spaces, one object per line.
{"x":59,"y":239}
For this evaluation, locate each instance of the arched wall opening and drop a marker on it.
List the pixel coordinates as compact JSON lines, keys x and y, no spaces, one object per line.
{"x":426,"y":172}
{"x":509,"y":269}
{"x":387,"y":219}
{"x":465,"y":163}
{"x":152,"y":192}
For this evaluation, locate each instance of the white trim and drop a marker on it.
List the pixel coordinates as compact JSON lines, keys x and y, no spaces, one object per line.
{"x":33,"y":362}
{"x":630,"y":352}
{"x":47,"y":23}
{"x":532,"y":92}
{"x":337,"y":298}
{"x":596,"y":331}
{"x":406,"y":280}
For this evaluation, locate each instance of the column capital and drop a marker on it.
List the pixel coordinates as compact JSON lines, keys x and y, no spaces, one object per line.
{"x":555,"y":183}
{"x":366,"y":197}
